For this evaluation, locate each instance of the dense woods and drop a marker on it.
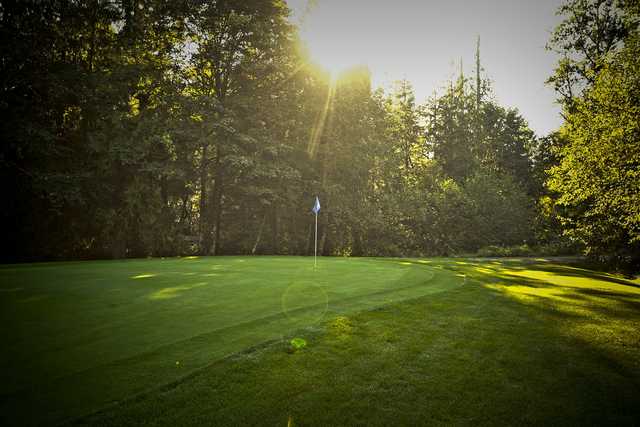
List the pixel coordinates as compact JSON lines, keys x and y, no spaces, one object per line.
{"x":137,"y":128}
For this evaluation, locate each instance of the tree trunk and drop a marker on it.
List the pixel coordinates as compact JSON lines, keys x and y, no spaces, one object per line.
{"x":324,"y":225}
{"x":205,"y":233}
{"x":309,"y":240}
{"x":119,"y":245}
{"x":275,"y":226}
{"x":217,"y":201}
{"x":259,"y":236}
{"x":358,"y":247}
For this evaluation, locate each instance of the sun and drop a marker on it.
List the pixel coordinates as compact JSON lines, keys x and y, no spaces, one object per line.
{"x":333,"y":58}
{"x":333,"y":36}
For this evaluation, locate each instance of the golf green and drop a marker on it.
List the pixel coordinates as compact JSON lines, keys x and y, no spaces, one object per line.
{"x":80,"y":335}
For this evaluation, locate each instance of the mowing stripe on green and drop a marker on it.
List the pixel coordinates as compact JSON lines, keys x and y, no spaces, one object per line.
{"x":81,"y":335}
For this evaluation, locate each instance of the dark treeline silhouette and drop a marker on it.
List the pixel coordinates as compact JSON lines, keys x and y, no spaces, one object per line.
{"x":155,"y":128}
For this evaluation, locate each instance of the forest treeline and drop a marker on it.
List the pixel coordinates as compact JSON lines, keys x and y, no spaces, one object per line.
{"x":135,"y":128}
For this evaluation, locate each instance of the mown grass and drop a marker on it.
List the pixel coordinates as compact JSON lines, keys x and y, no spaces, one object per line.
{"x":389,"y":342}
{"x":79,"y":336}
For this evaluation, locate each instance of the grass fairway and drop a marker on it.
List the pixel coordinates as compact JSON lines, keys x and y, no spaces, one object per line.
{"x":203,"y":341}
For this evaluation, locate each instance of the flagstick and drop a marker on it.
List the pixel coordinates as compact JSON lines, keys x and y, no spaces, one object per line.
{"x":315,"y":248}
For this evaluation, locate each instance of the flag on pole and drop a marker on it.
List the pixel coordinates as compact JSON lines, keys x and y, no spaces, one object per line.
{"x":315,"y":210}
{"x":316,"y":206}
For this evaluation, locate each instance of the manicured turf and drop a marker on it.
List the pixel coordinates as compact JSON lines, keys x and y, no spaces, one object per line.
{"x":388,"y":342}
{"x":80,"y":335}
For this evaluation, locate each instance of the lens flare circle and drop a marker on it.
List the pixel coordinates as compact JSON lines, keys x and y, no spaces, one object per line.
{"x":305,"y":301}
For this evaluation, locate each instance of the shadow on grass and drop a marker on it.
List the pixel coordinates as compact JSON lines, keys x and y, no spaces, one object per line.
{"x":510,"y":276}
{"x":613,"y":300}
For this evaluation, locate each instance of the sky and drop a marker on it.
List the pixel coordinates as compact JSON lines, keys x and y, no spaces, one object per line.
{"x":423,"y":41}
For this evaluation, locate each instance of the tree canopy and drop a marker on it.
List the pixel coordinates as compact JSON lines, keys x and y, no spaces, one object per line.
{"x":596,"y":174}
{"x":151,"y":128}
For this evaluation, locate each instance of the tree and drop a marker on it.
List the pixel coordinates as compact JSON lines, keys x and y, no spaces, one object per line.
{"x":590,"y":31}
{"x":506,"y":143}
{"x":139,"y":128}
{"x":598,"y":175}
{"x":75,"y":99}
{"x":593,"y":183}
{"x":234,"y":40}
{"x":406,"y":131}
{"x":450,"y":129}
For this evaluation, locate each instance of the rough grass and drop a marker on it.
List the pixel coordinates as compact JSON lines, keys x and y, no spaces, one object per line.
{"x":388,"y":342}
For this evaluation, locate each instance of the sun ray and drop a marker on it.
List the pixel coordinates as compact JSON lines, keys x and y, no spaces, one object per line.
{"x":318,"y":128}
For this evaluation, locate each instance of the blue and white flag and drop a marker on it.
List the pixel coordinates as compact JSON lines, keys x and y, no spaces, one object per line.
{"x":316,"y":206}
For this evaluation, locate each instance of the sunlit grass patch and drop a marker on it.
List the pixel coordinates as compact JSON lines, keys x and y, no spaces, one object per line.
{"x":298,"y":344}
{"x":341,"y":327}
{"x":143,"y":276}
{"x":174,"y":292}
